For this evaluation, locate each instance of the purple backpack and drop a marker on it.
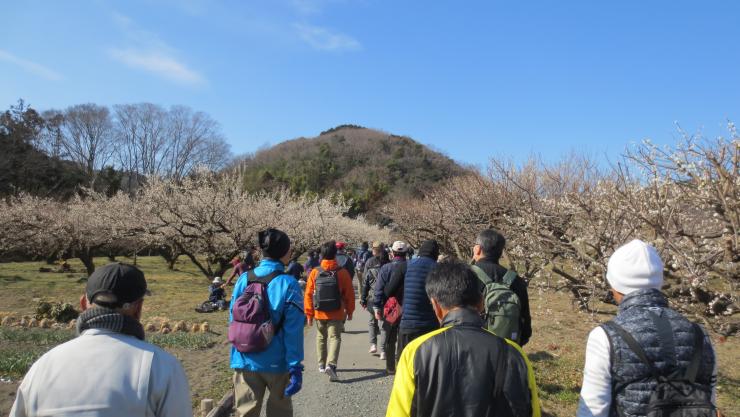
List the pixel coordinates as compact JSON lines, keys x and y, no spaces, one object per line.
{"x":251,"y":329}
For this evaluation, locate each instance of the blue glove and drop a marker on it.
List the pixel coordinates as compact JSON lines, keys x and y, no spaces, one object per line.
{"x":296,"y":380}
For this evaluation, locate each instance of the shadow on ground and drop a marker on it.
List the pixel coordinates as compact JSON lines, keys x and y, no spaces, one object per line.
{"x":374,"y":374}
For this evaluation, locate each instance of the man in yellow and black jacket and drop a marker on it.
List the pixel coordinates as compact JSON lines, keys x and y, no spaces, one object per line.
{"x":461,"y":369}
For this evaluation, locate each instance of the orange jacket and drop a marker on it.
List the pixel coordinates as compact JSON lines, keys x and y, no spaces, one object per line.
{"x":346,"y":291}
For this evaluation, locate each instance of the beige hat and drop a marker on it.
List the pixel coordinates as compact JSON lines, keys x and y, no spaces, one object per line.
{"x":399,"y":246}
{"x":635,"y":266}
{"x":377,"y":244}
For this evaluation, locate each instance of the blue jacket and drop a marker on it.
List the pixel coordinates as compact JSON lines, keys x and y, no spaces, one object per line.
{"x":286,"y":300}
{"x":384,"y":277}
{"x":417,"y":309}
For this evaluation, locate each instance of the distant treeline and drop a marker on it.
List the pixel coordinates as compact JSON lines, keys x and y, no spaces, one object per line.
{"x":55,"y":152}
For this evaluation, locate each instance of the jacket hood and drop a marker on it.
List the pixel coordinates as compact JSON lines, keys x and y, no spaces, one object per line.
{"x":329,"y":264}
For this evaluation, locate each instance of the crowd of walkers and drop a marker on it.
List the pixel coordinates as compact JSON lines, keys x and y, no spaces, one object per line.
{"x":451,"y":332}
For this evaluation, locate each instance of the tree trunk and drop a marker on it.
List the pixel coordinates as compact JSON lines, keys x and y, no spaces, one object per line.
{"x":170,"y":254}
{"x":205,"y":270}
{"x":86,"y":257}
{"x":223,"y":266}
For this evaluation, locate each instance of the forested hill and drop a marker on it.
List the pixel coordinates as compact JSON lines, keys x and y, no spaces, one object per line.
{"x":366,"y":165}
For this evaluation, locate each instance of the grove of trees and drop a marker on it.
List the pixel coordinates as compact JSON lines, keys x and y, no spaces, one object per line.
{"x":89,"y":180}
{"x":562,"y":221}
{"x":206,"y":217}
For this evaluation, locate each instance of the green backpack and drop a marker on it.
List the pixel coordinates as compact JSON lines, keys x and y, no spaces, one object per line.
{"x":503,"y":308}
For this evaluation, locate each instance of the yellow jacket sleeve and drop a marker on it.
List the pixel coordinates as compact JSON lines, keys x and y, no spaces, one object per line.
{"x":536,"y":412}
{"x":404,"y":386}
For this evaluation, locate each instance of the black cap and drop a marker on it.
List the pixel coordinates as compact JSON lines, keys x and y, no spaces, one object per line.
{"x":429,"y":249}
{"x":274,"y":243}
{"x":115,"y":285}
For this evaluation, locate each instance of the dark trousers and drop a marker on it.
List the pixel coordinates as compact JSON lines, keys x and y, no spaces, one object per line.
{"x":405,"y":336}
{"x":391,"y":339}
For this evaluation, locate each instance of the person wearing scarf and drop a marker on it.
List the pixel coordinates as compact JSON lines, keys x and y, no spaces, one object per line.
{"x":108,"y":369}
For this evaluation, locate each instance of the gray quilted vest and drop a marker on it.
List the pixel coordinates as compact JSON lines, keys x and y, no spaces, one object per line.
{"x":670,"y":350}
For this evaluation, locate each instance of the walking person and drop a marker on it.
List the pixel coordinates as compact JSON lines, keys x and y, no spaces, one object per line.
{"x":108,"y":369}
{"x":329,"y":300}
{"x":312,"y":261}
{"x":649,"y":357}
{"x":371,"y":270}
{"x":241,"y":265}
{"x":487,"y":251}
{"x":344,"y":260}
{"x":418,"y":316}
{"x":275,"y":366}
{"x":388,"y":299}
{"x":461,"y":369}
{"x":362,"y":257}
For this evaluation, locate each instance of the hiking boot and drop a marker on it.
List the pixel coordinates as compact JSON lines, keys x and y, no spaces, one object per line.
{"x":373,"y":348}
{"x":382,"y":356}
{"x":322,"y":368}
{"x":332,"y":372}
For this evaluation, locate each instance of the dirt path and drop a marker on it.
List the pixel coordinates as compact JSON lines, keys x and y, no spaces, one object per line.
{"x":363,"y":388}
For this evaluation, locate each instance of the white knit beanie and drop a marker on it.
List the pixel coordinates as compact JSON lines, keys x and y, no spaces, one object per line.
{"x":635,"y":266}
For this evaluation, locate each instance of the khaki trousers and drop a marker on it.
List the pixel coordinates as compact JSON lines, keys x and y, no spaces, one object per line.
{"x":328,"y":332}
{"x":249,"y":391}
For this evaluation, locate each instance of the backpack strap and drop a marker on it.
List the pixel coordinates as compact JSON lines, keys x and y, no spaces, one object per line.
{"x":509,"y":277}
{"x":665,"y":335}
{"x":634,"y":346}
{"x":482,"y":276}
{"x":693,"y":368}
{"x":265,"y":279}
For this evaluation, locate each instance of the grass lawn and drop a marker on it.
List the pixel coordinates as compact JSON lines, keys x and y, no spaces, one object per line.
{"x":556,"y":350}
{"x":175,"y":294}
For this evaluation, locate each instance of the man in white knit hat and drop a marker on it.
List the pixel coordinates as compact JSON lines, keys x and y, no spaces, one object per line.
{"x":647,"y":342}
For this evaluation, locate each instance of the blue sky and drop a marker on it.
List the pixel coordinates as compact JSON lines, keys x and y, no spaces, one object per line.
{"x":475,"y":79}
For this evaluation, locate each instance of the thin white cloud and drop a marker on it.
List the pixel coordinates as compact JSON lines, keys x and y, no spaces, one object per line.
{"x":158,"y":63}
{"x":146,"y":51}
{"x":327,"y":40}
{"x":30,"y":66}
{"x":308,"y":7}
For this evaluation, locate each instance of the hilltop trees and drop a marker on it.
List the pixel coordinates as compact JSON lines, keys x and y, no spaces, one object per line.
{"x":363,"y":165}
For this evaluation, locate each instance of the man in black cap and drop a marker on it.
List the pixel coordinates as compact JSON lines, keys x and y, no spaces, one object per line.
{"x":278,"y":367}
{"x":108,"y":370}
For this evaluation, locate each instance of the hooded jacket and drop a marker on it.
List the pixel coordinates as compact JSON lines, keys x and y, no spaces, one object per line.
{"x":346,"y":291}
{"x":286,"y":305}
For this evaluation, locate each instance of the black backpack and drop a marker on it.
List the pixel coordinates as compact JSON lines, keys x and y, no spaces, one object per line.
{"x":326,"y":296}
{"x":677,"y":394}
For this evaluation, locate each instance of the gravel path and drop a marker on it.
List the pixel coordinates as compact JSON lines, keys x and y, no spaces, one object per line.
{"x":363,"y":388}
